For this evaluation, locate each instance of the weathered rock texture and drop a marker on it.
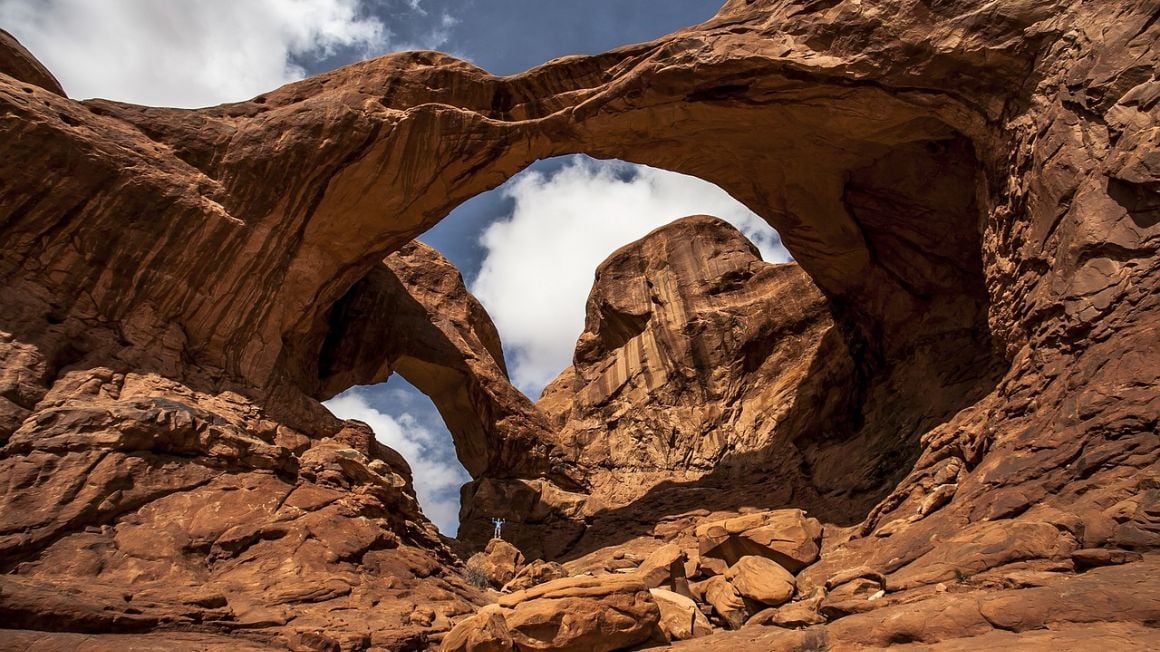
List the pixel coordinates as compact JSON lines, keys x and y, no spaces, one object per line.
{"x":18,"y":63}
{"x":959,"y":378}
{"x":575,"y":614}
{"x":413,"y":315}
{"x":133,"y":502}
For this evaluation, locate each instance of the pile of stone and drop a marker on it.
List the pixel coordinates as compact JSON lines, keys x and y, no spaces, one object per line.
{"x":742,"y":571}
{"x":501,"y":566}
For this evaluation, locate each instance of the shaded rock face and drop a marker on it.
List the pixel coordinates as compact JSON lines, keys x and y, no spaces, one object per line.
{"x":414,"y":316}
{"x":134,"y":502}
{"x":959,"y":376}
{"x":18,"y":63}
{"x":703,"y":370}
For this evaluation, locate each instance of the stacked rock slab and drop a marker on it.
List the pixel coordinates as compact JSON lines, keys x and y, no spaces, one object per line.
{"x":132,"y":502}
{"x":960,"y":379}
{"x":787,"y":537}
{"x":742,"y":579}
{"x":499,"y":562}
{"x":576,"y":614}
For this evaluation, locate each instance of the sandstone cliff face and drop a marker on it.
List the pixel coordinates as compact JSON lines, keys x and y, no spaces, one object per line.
{"x":707,"y":379}
{"x":968,"y":399}
{"x":676,"y":323}
{"x":132,"y":502}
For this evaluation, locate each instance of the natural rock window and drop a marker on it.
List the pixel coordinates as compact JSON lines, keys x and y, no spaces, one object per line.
{"x":404,"y":419}
{"x":956,"y":380}
{"x":535,"y":244}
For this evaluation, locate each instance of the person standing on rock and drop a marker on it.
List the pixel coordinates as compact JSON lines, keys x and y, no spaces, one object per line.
{"x":498,"y":523}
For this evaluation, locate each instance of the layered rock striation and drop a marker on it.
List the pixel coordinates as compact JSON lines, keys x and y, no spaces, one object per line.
{"x":958,"y":377}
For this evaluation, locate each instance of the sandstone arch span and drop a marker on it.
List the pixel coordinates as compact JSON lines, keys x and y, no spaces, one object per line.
{"x":299,"y":193}
{"x":169,"y":277}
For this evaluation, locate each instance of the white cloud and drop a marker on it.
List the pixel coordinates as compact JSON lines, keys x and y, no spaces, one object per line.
{"x":437,"y":474}
{"x":540,"y":261}
{"x":435,"y":37}
{"x":187,"y":54}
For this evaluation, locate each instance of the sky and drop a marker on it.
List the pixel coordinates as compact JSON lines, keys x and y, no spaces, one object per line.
{"x":563,"y":215}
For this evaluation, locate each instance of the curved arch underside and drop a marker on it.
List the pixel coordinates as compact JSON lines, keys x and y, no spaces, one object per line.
{"x":969,"y":186}
{"x":297,"y":194}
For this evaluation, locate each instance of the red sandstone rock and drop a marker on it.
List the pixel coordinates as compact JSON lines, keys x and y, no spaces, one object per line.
{"x":533,"y":574}
{"x":18,"y":62}
{"x":958,"y":377}
{"x":787,"y":537}
{"x":680,"y":618}
{"x":727,"y":603}
{"x":499,"y":562}
{"x":577,"y":614}
{"x":663,"y":567}
{"x":761,"y":580}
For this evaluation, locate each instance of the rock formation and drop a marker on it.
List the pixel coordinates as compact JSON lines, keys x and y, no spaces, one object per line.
{"x":958,"y":377}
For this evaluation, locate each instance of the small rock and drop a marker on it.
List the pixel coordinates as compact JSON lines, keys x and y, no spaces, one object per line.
{"x":422,"y":616}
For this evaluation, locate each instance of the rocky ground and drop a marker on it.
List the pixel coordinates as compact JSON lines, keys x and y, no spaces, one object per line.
{"x":957,"y":380}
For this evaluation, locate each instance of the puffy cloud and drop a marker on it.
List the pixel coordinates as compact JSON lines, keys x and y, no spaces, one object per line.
{"x":424,"y":443}
{"x":190,"y":54}
{"x":540,"y":261}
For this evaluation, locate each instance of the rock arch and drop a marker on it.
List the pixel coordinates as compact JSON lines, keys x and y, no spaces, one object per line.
{"x":946,"y":172}
{"x":299,"y":193}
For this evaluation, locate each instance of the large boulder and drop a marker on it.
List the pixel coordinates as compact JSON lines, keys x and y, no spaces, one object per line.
{"x":786,"y":536}
{"x":761,"y":580}
{"x":486,"y":631}
{"x":663,"y":566}
{"x":728,"y":604}
{"x":534,"y":574}
{"x":681,"y":619}
{"x":498,"y":563}
{"x":575,"y":614}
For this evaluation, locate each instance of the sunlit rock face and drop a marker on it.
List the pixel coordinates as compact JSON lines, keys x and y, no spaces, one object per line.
{"x":709,"y":379}
{"x":958,"y":378}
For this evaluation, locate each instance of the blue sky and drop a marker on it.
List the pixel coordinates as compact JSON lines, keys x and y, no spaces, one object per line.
{"x":564,"y":215}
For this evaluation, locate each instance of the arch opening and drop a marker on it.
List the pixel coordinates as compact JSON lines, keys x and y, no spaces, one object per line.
{"x":570,"y":201}
{"x":538,"y":239}
{"x":878,"y":193}
{"x":406,"y":420}
{"x":918,"y":313}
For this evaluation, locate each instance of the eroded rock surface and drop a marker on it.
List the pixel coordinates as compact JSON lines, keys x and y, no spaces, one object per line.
{"x":499,"y":562}
{"x":133,"y":502}
{"x":958,"y":378}
{"x":577,"y":614}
